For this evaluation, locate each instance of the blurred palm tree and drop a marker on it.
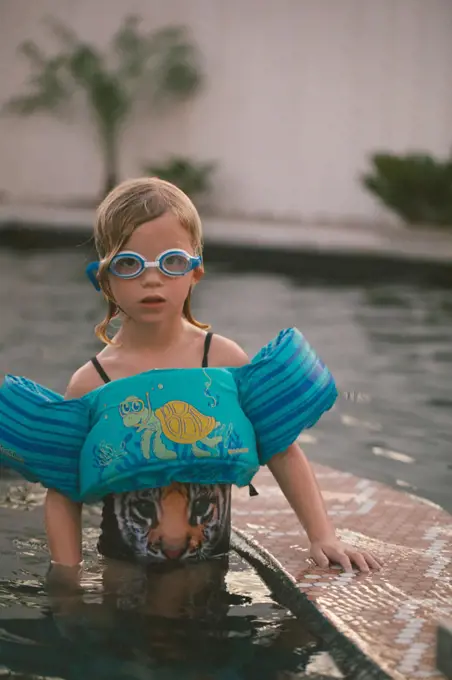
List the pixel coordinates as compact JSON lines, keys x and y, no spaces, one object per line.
{"x":163,"y":66}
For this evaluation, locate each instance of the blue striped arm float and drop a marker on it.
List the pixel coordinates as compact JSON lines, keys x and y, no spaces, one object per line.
{"x":42,"y":434}
{"x":284,"y":390}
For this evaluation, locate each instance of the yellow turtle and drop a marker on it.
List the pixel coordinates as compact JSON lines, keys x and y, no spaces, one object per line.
{"x":183,"y":423}
{"x":179,"y":421}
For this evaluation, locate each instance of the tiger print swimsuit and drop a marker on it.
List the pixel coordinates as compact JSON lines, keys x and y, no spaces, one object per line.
{"x":179,"y":522}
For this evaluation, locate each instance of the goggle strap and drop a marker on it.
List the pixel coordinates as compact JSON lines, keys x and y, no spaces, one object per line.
{"x":91,"y":272}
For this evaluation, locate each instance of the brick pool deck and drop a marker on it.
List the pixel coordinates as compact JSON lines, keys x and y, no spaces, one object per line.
{"x":391,"y":615}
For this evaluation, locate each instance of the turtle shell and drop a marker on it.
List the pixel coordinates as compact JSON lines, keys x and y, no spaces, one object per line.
{"x":183,"y":423}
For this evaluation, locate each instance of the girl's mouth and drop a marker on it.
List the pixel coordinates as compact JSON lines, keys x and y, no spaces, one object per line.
{"x":152,"y":301}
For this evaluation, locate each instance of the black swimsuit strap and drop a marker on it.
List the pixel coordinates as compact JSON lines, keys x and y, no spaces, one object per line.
{"x":99,"y":368}
{"x":207,"y":341}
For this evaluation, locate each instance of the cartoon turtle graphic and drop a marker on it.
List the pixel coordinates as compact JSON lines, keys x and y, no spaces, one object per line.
{"x":179,"y":421}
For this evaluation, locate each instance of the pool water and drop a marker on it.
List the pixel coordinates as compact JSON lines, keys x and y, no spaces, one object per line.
{"x":202,"y":621}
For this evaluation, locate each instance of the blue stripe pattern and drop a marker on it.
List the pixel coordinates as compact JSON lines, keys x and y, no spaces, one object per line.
{"x":42,"y":434}
{"x":283,"y":391}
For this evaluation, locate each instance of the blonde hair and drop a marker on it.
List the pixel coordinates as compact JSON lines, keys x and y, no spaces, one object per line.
{"x":124,"y":209}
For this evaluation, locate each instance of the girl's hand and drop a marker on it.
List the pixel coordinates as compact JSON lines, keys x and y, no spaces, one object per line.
{"x":332,"y":550}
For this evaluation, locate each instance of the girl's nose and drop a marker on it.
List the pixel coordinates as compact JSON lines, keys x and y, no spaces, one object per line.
{"x":152,"y":276}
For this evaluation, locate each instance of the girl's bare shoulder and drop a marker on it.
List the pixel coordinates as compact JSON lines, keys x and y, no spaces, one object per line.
{"x":226,"y":352}
{"x":84,"y":380}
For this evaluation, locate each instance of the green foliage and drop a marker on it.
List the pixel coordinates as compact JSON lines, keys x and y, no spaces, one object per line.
{"x":417,"y":187}
{"x":161,"y":66}
{"x":192,"y":177}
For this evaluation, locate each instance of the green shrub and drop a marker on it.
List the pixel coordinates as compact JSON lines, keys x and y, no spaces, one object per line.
{"x":194,"y":178}
{"x":417,"y":187}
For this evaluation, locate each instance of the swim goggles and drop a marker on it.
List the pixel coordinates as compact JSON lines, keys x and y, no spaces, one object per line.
{"x":129,"y":265}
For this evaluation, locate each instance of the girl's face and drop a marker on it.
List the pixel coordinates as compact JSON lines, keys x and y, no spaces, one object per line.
{"x":153,"y":295}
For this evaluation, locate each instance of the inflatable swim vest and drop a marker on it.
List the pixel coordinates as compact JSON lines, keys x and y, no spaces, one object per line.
{"x":204,"y":425}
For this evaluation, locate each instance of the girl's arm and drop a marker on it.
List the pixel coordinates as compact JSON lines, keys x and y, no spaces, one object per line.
{"x":63,"y":517}
{"x":297,"y":481}
{"x":63,"y":520}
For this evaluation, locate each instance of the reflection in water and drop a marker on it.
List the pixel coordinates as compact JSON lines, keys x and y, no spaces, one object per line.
{"x":123,"y":621}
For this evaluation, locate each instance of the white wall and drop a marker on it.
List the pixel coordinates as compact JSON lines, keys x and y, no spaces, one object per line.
{"x":299,"y":93}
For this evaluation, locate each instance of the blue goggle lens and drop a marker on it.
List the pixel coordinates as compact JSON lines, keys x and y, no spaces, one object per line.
{"x":126,"y":265}
{"x":175,"y":263}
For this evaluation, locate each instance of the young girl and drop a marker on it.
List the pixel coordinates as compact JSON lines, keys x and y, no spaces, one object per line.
{"x":144,"y":219}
